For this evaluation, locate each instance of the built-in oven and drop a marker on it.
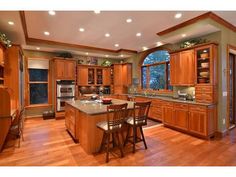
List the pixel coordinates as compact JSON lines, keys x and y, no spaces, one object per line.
{"x":65,"y":92}
{"x":61,"y":102}
{"x":65,"y":88}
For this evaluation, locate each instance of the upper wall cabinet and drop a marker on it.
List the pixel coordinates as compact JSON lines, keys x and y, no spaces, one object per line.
{"x":2,"y":55}
{"x":93,"y":75}
{"x":65,"y":69}
{"x":182,"y":68}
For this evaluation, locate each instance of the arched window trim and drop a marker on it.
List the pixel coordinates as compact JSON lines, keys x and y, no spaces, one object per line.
{"x":166,"y":63}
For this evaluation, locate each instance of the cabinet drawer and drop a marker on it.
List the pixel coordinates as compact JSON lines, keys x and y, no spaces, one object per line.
{"x":142,"y":99}
{"x":156,"y":102}
{"x":197,"y":108}
{"x":167,"y":104}
{"x":181,"y":106}
{"x":204,"y":88}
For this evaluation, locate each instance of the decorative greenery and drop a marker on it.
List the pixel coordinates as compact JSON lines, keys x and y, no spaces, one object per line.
{"x":4,"y":40}
{"x":192,"y":42}
{"x":106,"y":63}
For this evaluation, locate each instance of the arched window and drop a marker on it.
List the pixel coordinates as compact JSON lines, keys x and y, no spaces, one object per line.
{"x":156,"y":71}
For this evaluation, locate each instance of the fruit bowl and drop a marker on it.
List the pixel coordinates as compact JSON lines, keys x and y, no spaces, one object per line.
{"x":106,"y":100}
{"x":204,"y":74}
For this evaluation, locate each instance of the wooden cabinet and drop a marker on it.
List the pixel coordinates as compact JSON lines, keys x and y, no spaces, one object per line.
{"x":82,"y":75}
{"x":65,"y":69}
{"x":70,"y":120}
{"x":199,"y":120}
{"x":181,"y":115}
{"x":121,"y":77}
{"x":2,"y":54}
{"x":167,"y":113}
{"x":155,"y":111}
{"x":206,"y":93}
{"x":182,"y":68}
{"x":107,"y":76}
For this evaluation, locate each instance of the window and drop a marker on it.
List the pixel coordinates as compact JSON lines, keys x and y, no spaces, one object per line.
{"x":156,"y":71}
{"x":38,"y":81}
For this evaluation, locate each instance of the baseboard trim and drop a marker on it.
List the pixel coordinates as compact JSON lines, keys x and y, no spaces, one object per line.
{"x":219,"y":134}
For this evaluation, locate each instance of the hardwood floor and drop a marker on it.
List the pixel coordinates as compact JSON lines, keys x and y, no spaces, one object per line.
{"x":47,"y":143}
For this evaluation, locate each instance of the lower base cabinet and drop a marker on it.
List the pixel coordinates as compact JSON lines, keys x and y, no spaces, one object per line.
{"x":199,"y":120}
{"x":70,"y":120}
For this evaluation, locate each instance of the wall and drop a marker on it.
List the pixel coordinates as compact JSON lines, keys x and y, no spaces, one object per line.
{"x":37,"y":111}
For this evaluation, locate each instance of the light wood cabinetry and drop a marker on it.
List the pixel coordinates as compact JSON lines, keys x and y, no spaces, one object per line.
{"x":121,"y":77}
{"x":2,"y":59}
{"x":70,"y":121}
{"x":182,"y":68}
{"x":65,"y":69}
{"x":199,"y":120}
{"x":93,"y":75}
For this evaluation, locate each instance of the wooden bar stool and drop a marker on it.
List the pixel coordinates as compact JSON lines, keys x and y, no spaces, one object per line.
{"x":138,"y":120}
{"x":116,"y":115}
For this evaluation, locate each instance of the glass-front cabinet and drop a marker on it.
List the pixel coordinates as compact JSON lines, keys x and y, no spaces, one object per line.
{"x":99,"y":76}
{"x":204,"y":65}
{"x":91,"y":76}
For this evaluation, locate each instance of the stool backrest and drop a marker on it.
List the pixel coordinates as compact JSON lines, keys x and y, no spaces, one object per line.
{"x":116,"y":115}
{"x":141,"y":110}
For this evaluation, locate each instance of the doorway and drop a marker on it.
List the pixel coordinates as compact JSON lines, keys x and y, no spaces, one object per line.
{"x":232,"y":90}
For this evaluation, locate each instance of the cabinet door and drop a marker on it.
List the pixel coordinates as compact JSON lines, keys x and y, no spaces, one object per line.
{"x":127,"y":74}
{"x":1,"y":55}
{"x":174,"y":65}
{"x":181,"y":118}
{"x":60,"y":69}
{"x":106,"y":76}
{"x":187,"y":67}
{"x":167,"y":114}
{"x":70,"y":67}
{"x":197,"y":122}
{"x":118,"y":74}
{"x":82,"y":75}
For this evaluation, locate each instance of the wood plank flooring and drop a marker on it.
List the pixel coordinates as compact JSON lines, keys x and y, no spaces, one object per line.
{"x":47,"y":143}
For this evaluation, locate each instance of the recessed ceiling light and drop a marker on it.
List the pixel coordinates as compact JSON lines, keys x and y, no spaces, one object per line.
{"x":121,"y":55}
{"x":81,"y":30}
{"x":107,"y":35}
{"x":97,"y":11}
{"x":183,"y":35}
{"x":11,"y":23}
{"x":51,"y":12}
{"x":38,"y":48}
{"x":159,"y":44}
{"x":46,"y":33}
{"x":86,"y":53}
{"x":178,"y":15}
{"x":107,"y":55}
{"x":138,"y":34}
{"x":144,"y":48}
{"x":116,"y":45}
{"x":129,"y":20}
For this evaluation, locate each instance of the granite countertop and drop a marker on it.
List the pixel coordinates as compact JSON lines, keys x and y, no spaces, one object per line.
{"x":168,"y":98}
{"x":93,"y":107}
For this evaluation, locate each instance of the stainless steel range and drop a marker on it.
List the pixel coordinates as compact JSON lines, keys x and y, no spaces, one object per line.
{"x":65,"y":92}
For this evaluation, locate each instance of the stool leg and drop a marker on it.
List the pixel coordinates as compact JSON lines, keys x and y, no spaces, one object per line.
{"x":127,"y":136}
{"x":103,"y":142}
{"x":113,"y":140}
{"x":134,"y":138}
{"x":141,"y":130}
{"x":119,"y":144}
{"x":108,"y":144}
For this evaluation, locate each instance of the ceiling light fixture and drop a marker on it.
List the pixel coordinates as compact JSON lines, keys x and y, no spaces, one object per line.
{"x":51,"y":12}
{"x":46,"y":33}
{"x":38,"y":48}
{"x":107,"y":35}
{"x":138,"y":34}
{"x":183,"y":35}
{"x":11,"y":23}
{"x":129,"y":20}
{"x":107,"y":55}
{"x":97,"y":11}
{"x":159,"y":44}
{"x":116,"y":45}
{"x":81,"y":30}
{"x":121,"y":55}
{"x":178,"y":15}
{"x":145,"y":48}
{"x":86,"y":53}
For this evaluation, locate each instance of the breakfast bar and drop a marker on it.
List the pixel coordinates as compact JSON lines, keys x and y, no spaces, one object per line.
{"x":81,"y":117}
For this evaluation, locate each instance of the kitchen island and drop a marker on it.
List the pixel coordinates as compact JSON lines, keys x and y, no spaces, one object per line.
{"x":81,"y":117}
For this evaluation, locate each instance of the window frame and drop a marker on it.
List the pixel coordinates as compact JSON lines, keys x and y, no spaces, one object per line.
{"x":28,"y":82}
{"x":166,"y":63}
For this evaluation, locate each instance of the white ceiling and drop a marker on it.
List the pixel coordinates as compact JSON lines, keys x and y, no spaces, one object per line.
{"x":63,"y":27}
